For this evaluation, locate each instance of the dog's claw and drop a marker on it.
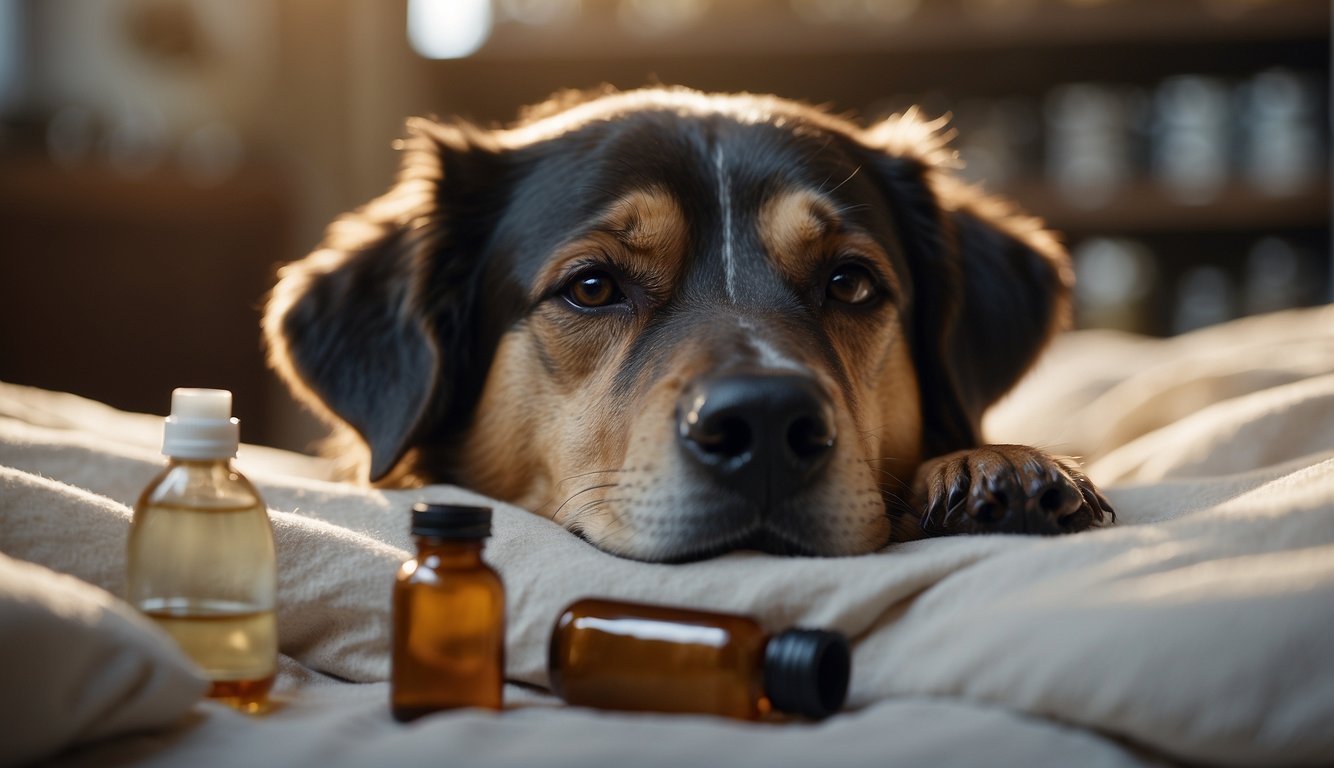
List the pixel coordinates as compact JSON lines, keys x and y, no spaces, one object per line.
{"x":1010,"y":489}
{"x":954,"y":503}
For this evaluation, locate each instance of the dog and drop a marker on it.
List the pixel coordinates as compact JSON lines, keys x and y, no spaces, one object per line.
{"x":680,"y":324}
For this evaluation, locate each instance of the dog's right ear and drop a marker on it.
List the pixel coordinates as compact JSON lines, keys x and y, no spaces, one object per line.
{"x":367,"y":328}
{"x":991,"y":286}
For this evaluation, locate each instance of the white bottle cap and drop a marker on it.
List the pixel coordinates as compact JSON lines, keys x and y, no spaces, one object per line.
{"x":201,"y":425}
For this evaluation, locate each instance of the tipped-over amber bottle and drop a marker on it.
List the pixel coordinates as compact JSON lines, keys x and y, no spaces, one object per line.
{"x":617,"y":655}
{"x":201,"y":557}
{"x":449,"y":617}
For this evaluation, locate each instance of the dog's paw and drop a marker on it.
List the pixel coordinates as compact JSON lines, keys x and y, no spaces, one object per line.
{"x":1007,"y":489}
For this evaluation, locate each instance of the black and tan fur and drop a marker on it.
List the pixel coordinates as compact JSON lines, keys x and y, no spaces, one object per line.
{"x":443,"y":323}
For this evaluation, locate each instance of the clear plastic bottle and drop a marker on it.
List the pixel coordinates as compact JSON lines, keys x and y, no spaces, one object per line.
{"x":449,"y":617}
{"x":618,"y":655}
{"x":201,"y":557}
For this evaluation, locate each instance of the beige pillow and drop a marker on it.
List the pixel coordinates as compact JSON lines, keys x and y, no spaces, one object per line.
{"x":78,"y":665}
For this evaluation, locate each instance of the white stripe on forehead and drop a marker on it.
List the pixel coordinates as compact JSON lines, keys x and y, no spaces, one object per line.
{"x":725,"y":200}
{"x":768,"y":355}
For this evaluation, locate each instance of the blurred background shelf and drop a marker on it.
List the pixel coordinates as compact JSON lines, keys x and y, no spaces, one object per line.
{"x":33,"y":186}
{"x":1146,"y":207}
{"x":612,"y":29}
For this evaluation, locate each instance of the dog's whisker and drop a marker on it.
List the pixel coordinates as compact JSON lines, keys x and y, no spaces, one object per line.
{"x":619,"y":526}
{"x":855,"y":171}
{"x":586,"y":474}
{"x":845,"y":210}
{"x":619,"y":522}
{"x":874,"y":433}
{"x":540,"y":508}
{"x":891,"y":481}
{"x":577,"y":516}
{"x":885,"y":472}
{"x":586,"y":508}
{"x":580,"y":493}
{"x":898,"y":500}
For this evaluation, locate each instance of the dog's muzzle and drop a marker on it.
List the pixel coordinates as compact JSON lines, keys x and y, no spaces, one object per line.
{"x":764,"y":436}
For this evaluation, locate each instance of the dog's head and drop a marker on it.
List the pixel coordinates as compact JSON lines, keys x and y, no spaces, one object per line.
{"x":674,"y":323}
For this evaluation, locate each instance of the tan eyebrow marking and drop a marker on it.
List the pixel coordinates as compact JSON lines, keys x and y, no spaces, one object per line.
{"x":647,"y":220}
{"x":797,"y":219}
{"x":792,"y":224}
{"x":800,"y":228}
{"x":647,"y":225}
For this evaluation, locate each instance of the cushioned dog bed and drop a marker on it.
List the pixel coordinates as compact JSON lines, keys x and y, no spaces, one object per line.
{"x":1198,"y":628}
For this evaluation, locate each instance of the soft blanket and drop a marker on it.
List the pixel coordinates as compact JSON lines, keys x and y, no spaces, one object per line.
{"x":1197,"y":628}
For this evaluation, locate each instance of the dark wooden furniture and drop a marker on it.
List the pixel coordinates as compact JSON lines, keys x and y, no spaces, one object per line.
{"x":120,"y":289}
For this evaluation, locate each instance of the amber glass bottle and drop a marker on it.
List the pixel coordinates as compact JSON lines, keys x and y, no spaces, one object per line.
{"x":617,"y":655}
{"x":201,"y":556}
{"x":449,"y":617}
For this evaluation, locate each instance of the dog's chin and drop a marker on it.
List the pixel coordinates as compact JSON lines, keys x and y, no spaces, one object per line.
{"x":765,"y":541}
{"x":706,"y":545}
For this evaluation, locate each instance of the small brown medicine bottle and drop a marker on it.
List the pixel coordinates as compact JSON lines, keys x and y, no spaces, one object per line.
{"x":617,"y":655}
{"x":449,"y":617}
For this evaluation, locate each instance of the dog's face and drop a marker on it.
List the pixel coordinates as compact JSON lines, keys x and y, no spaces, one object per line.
{"x":676,"y":324}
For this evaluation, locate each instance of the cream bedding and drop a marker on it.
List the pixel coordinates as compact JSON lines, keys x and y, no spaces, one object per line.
{"x":1197,"y":629}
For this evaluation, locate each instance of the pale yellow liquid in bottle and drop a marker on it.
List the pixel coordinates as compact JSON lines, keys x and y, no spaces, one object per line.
{"x":221,"y":637}
{"x":206,"y":576}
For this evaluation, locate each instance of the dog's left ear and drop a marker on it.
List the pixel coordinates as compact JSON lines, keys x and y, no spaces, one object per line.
{"x":372,"y":328}
{"x":991,"y":286}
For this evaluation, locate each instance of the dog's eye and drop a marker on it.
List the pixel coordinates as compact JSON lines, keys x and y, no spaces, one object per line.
{"x":589,"y":290}
{"x":851,"y":284}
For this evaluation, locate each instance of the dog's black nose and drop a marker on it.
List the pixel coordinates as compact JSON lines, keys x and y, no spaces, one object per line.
{"x":760,"y":433}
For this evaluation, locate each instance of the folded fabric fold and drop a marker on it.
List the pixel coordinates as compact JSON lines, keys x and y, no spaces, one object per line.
{"x":78,"y":666}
